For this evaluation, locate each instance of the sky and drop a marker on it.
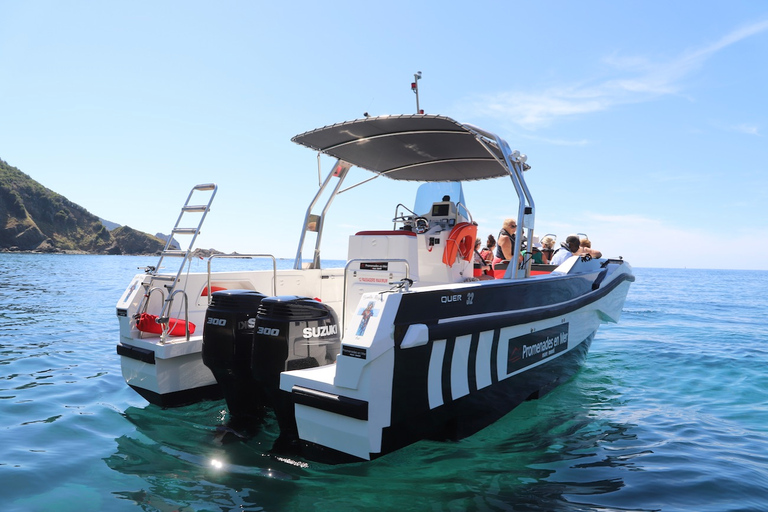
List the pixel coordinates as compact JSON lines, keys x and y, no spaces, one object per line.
{"x":644,"y":122}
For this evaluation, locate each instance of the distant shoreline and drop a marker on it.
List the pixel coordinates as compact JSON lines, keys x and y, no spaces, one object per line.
{"x":71,"y":252}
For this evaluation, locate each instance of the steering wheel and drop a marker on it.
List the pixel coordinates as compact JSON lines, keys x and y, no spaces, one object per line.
{"x":422,"y":224}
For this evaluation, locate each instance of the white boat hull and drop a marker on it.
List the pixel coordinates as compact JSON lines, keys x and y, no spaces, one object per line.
{"x":178,"y":379}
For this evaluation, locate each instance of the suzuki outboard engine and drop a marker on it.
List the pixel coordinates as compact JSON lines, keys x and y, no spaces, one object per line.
{"x":292,"y":333}
{"x":227,"y":342}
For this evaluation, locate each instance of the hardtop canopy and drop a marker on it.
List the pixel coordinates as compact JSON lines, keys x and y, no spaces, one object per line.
{"x":419,"y":147}
{"x":412,"y":148}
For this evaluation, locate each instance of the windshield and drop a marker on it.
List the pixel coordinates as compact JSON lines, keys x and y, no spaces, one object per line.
{"x":434,"y":192}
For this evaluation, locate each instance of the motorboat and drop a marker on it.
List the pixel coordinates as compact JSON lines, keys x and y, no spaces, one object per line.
{"x":403,"y":343}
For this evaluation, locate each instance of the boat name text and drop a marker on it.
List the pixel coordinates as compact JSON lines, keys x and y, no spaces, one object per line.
{"x":445,"y":299}
{"x":539,"y":345}
{"x":543,"y":347}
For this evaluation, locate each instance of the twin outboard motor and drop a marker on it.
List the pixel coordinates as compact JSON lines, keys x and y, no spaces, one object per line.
{"x":227,"y":345}
{"x":275,"y":334}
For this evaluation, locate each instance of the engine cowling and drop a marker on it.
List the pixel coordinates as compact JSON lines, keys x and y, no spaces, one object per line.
{"x":230,"y":322}
{"x":293,"y":333}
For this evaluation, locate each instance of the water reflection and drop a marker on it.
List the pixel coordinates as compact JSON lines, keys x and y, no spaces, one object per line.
{"x":178,"y":454}
{"x":562,"y":452}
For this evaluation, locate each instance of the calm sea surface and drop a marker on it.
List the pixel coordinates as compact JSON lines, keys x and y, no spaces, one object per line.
{"x":670,"y":412}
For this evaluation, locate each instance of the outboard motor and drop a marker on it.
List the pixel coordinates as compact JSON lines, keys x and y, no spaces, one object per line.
{"x":292,"y":333}
{"x":227,"y":342}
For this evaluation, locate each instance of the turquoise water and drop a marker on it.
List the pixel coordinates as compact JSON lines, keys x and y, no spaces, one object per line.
{"x":670,"y":412}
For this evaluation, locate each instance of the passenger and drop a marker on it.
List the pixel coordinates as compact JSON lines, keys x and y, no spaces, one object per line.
{"x":506,"y":241}
{"x":566,"y":250}
{"x":585,"y":247}
{"x":572,"y":247}
{"x":487,"y":252}
{"x":547,"y":249}
{"x":536,"y":255}
{"x":478,"y":259}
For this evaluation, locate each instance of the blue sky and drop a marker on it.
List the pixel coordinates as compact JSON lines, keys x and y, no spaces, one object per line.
{"x":644,"y":122}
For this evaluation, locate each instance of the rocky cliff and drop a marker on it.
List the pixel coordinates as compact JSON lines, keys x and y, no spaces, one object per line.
{"x":34,"y":218}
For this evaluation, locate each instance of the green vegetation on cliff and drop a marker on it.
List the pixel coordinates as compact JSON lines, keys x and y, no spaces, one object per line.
{"x":34,"y":218}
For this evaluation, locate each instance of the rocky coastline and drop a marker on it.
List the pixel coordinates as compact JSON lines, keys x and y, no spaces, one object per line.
{"x":35,"y":219}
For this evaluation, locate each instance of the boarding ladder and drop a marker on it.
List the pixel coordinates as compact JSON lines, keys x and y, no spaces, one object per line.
{"x":190,"y":213}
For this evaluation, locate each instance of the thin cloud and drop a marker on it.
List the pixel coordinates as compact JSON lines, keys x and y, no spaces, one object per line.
{"x":645,"y":81}
{"x":749,"y":129}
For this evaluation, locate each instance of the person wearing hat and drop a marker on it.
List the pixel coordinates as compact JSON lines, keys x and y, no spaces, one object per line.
{"x":536,"y":255}
{"x":571,"y":247}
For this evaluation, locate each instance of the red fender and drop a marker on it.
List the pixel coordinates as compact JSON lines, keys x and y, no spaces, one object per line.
{"x":148,"y":323}
{"x":460,"y":242}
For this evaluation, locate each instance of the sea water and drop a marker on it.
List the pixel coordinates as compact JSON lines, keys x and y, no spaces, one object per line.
{"x":670,"y":412}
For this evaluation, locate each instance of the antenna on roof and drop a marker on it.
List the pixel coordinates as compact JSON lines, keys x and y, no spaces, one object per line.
{"x":415,"y":89}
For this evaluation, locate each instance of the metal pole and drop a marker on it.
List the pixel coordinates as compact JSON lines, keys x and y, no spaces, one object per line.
{"x":415,"y":87}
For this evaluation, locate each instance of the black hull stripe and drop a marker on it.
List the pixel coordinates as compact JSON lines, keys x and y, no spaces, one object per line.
{"x":495,"y":356}
{"x":450,"y":345}
{"x":343,"y":405}
{"x":458,"y":327}
{"x":472,"y":362}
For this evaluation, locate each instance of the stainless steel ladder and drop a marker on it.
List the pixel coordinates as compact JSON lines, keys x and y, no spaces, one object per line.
{"x":202,"y":208}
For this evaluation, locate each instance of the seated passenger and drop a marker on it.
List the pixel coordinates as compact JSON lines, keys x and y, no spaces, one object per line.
{"x":536,"y":255}
{"x":566,"y":250}
{"x":478,"y":258}
{"x":572,"y":247}
{"x":487,"y":252}
{"x":585,"y":247}
{"x":547,"y":249}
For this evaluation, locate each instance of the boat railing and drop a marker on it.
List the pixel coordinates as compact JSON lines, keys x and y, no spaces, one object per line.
{"x":460,"y":206}
{"x":366,"y":260}
{"x":315,"y":222}
{"x":145,"y":305}
{"x":400,"y":216}
{"x":165,"y":320}
{"x":242,"y":256}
